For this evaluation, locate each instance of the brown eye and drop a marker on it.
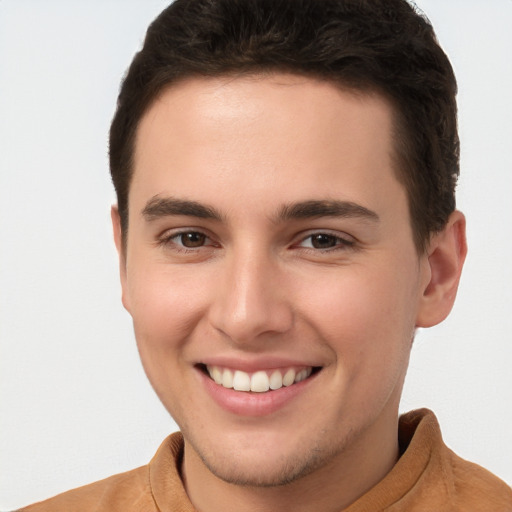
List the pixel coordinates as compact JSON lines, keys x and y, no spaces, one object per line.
{"x":323,"y":241}
{"x":192,"y":239}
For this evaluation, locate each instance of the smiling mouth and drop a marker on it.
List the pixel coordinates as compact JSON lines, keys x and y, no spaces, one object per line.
{"x":258,"y":382}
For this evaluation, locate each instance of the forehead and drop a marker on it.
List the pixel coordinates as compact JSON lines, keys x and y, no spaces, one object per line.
{"x":282,"y":135}
{"x":226,"y":103}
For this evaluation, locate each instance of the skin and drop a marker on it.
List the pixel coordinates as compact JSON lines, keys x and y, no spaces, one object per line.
{"x":256,"y":290}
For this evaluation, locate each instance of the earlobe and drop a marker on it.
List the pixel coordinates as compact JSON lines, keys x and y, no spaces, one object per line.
{"x":118,"y":239}
{"x":446,"y":254}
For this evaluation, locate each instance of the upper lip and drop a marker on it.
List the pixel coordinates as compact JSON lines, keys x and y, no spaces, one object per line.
{"x":257,"y":364}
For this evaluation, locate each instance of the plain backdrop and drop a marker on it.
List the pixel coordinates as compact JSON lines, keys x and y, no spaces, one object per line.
{"x":75,"y":405}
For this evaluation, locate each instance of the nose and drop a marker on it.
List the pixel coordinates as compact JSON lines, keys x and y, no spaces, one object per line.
{"x":251,"y":302}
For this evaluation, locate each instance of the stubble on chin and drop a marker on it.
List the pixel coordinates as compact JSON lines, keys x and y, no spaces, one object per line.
{"x":280,"y":471}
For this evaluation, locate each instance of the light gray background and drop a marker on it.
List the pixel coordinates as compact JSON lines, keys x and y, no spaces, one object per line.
{"x":75,"y":405}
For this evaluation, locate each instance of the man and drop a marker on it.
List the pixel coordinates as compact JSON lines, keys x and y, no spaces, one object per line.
{"x":286,"y":220}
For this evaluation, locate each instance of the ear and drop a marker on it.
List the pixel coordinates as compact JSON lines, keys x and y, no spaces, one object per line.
{"x":121,"y":252}
{"x":445,"y":257}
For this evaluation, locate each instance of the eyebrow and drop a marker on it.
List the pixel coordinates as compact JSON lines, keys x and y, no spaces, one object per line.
{"x":158,"y":207}
{"x":322,"y":208}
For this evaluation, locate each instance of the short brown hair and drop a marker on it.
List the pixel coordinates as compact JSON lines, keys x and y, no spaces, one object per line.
{"x":383,"y":46}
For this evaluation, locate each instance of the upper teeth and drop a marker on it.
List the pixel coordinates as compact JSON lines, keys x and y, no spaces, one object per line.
{"x":258,"y":382}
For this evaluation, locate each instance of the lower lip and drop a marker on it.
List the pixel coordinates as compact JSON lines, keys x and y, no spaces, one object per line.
{"x":245,"y":403}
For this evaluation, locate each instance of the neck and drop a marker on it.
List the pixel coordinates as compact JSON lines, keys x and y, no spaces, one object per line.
{"x":330,"y":488}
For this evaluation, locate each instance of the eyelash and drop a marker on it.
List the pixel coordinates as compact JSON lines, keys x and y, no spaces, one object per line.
{"x":170,"y":239}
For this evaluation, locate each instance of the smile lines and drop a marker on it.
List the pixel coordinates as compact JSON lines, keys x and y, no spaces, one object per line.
{"x":258,"y":382}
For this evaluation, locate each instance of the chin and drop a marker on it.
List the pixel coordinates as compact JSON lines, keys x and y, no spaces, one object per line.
{"x":260,"y":467}
{"x":273,"y":473}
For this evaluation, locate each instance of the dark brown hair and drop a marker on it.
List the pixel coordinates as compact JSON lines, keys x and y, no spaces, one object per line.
{"x":383,"y":46}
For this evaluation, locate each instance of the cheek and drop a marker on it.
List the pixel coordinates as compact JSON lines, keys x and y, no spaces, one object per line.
{"x":367,"y":318}
{"x":165,"y":307}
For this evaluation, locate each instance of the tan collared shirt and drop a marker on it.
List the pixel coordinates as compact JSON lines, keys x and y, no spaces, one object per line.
{"x":428,"y":477}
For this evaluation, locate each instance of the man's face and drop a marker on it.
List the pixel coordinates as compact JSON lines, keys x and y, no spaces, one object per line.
{"x":269,"y":238}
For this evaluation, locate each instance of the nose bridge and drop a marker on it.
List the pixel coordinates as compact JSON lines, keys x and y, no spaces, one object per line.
{"x":251,"y":300}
